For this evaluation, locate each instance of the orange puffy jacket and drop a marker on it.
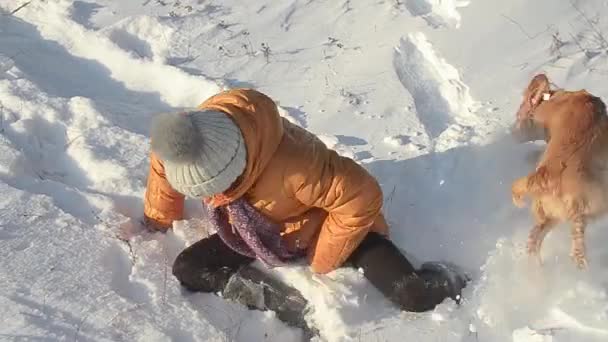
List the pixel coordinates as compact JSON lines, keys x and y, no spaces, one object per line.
{"x":323,"y":202}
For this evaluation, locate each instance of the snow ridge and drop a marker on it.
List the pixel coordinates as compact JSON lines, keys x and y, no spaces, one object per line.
{"x":443,"y":102}
{"x":437,"y":13}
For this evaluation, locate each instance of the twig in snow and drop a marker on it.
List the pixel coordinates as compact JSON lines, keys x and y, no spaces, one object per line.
{"x":266,"y":51}
{"x":556,"y":45}
{"x":229,"y":53}
{"x":599,"y":34}
{"x":549,"y":330}
{"x":389,"y":199}
{"x":346,"y":6}
{"x":132,"y":254}
{"x":555,"y":66}
{"x":601,"y":71}
{"x":331,"y":41}
{"x":222,"y":25}
{"x":521,"y":28}
{"x":71,"y":141}
{"x":581,"y":47}
{"x":248,"y":46}
{"x":352,"y":98}
{"x":20,"y":7}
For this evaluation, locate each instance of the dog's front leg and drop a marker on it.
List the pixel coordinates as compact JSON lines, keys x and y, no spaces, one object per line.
{"x":577,"y":251}
{"x":519,"y":188}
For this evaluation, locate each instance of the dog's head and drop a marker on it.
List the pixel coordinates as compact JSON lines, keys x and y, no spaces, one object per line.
{"x":526,"y":128}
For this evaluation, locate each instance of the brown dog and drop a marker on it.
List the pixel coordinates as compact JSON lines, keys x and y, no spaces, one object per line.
{"x":570,"y":182}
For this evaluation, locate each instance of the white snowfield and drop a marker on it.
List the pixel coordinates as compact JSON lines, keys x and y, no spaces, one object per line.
{"x":420,"y":92}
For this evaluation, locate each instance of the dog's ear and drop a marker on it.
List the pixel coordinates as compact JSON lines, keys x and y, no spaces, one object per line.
{"x":533,"y":95}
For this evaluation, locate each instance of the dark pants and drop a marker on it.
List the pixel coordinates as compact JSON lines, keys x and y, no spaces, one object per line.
{"x":208,"y":265}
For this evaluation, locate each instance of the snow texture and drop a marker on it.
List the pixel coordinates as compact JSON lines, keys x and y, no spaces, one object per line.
{"x":420,"y":92}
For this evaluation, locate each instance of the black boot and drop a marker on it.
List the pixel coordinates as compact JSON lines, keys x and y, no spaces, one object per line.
{"x":447,"y":275}
{"x":394,"y":276}
{"x":206,"y":265}
{"x":209,"y":265}
{"x":257,"y":290}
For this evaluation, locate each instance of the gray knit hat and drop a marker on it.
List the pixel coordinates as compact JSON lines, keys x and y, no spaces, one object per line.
{"x":203,"y":152}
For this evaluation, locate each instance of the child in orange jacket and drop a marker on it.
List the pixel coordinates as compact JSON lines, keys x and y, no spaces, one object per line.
{"x":275,"y":193}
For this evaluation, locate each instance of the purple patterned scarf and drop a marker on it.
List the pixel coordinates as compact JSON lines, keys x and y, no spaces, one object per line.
{"x":250,"y":234}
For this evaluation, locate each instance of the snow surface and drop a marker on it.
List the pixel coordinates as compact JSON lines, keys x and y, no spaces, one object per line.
{"x":421,"y":92}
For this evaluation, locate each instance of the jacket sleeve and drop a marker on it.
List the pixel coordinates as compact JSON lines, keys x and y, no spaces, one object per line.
{"x":162,"y":204}
{"x":353,"y":200}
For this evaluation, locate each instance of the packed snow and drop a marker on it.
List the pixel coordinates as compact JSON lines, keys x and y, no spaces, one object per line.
{"x":420,"y":92}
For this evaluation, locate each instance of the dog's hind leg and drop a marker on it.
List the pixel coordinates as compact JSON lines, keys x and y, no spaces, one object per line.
{"x":543,"y":224}
{"x":577,"y":208}
{"x":577,"y":250}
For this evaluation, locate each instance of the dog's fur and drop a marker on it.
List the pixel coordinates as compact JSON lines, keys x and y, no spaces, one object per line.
{"x":570,"y":181}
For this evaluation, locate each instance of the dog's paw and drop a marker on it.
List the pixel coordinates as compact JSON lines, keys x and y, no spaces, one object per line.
{"x":535,"y":260}
{"x":579,"y":258}
{"x":534,"y":254}
{"x":532,"y":247}
{"x":518,"y":200}
{"x":581,"y":263}
{"x":518,"y":190}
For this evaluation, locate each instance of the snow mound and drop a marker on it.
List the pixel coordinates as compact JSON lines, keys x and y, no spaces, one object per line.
{"x":552,"y":302}
{"x":443,"y":102}
{"x":143,"y":36}
{"x":437,"y":13}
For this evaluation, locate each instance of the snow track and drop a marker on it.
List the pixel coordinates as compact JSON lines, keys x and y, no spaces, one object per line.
{"x":117,"y":63}
{"x":73,"y":166}
{"x":443,"y":102}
